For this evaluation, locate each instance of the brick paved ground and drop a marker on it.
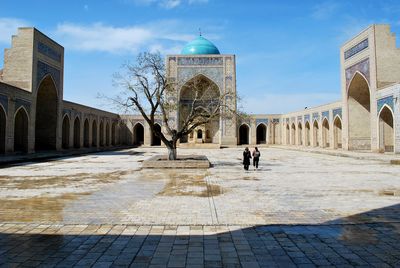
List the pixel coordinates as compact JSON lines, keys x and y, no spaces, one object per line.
{"x":300,"y":209}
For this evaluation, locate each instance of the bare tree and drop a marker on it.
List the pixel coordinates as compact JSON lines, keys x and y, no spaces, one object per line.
{"x":147,"y":90}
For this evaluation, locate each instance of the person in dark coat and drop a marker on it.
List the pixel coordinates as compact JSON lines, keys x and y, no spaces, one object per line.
{"x":246,"y":158}
{"x":256,"y":157}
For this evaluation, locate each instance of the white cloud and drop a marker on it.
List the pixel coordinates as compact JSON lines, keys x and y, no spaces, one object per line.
{"x":8,"y":27}
{"x":160,"y":36}
{"x":169,"y":4}
{"x":285,"y":103}
{"x":324,"y":10}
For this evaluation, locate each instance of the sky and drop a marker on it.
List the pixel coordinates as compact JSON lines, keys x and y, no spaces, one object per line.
{"x":287,"y":52}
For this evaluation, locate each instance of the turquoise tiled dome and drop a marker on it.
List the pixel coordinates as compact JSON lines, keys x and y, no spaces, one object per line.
{"x":200,"y":46}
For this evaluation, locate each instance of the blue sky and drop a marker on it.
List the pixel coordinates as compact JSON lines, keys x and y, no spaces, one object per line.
{"x":287,"y":51}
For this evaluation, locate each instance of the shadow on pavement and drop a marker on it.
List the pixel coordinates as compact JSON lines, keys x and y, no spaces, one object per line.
{"x":366,"y":239}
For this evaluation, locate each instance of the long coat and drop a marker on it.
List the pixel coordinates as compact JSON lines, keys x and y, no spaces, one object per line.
{"x":246,"y":157}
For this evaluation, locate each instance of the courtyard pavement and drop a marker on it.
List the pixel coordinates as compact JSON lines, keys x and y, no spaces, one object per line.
{"x":299,"y":209}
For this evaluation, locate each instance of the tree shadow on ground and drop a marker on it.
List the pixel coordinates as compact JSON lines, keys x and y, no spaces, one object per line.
{"x":366,"y":239}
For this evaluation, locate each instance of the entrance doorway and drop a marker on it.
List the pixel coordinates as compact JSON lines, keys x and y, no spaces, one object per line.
{"x":21,"y":131}
{"x":46,"y":115}
{"x":386,"y":131}
{"x":243,"y":134}
{"x":359,"y":114}
{"x":261,"y":134}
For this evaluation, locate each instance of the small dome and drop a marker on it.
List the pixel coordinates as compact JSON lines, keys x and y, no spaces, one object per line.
{"x":200,"y":46}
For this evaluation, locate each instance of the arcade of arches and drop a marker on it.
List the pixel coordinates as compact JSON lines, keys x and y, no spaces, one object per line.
{"x":36,"y":118}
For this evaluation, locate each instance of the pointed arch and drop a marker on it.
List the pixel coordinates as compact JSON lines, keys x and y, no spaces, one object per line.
{"x":325,"y":133}
{"x":299,"y":134}
{"x":287,"y":134}
{"x":21,"y":130}
{"x":86,"y":133}
{"x":101,"y":133}
{"x":337,"y":132}
{"x":46,"y":114}
{"x":293,"y":134}
{"x":3,"y":127}
{"x":77,"y":133}
{"x":261,"y":133}
{"x":156,"y":141}
{"x":94,"y":133}
{"x":200,"y":77}
{"x":244,"y":131}
{"x":113,"y":133}
{"x":386,"y":129}
{"x":138,"y":134}
{"x":359,"y":113}
{"x":315,"y":134}
{"x":307,"y":131}
{"x":107,"y":134}
{"x":65,"y":131}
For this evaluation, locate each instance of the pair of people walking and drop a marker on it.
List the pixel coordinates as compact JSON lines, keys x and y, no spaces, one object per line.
{"x":247,"y":156}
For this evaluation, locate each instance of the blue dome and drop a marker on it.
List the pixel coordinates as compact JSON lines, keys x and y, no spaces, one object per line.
{"x":200,"y":46}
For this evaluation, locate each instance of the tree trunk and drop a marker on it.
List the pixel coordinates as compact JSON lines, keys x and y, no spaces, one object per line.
{"x":172,"y":155}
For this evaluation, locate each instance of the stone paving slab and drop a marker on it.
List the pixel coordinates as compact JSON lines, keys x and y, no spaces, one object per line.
{"x":289,"y":188}
{"x":104,"y":210}
{"x":35,"y":245}
{"x":360,"y":155}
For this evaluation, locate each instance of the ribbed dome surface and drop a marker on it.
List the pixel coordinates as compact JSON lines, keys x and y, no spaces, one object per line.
{"x":200,"y":46}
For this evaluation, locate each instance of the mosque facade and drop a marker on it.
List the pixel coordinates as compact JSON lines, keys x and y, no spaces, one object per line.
{"x":34,"y":116}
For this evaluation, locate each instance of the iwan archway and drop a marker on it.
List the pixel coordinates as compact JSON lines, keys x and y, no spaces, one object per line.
{"x":243,"y":134}
{"x":155,"y":140}
{"x":261,"y":134}
{"x":299,"y":134}
{"x":337,"y":132}
{"x":201,"y":96}
{"x":359,"y":113}
{"x":65,"y":132}
{"x":21,"y":124}
{"x":307,"y":133}
{"x":386,"y":130}
{"x":46,"y":115}
{"x":138,"y":134}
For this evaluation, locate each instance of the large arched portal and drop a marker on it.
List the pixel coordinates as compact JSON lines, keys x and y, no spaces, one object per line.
{"x":386,"y":131}
{"x":337,"y":132}
{"x":307,"y":133}
{"x":65,"y":132}
{"x":200,"y":96}
{"x":261,"y":134}
{"x":155,"y":140}
{"x":94,"y":133}
{"x":21,"y":124}
{"x":86,"y":133}
{"x":243,"y":134}
{"x":315,"y":134}
{"x":3,"y":124}
{"x":359,"y":114}
{"x":325,"y":133}
{"x":138,"y":134}
{"x":77,"y":133}
{"x":299,"y":134}
{"x":46,"y":115}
